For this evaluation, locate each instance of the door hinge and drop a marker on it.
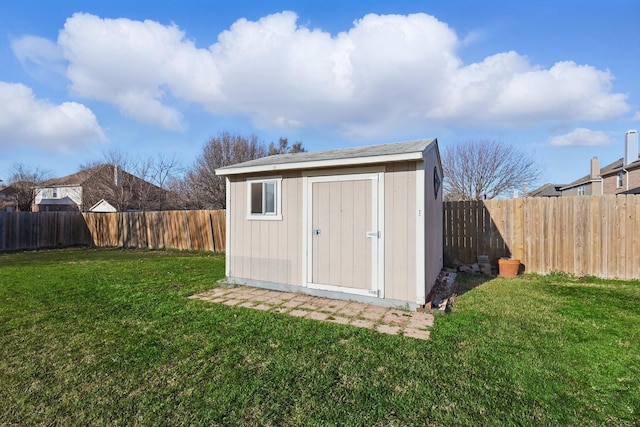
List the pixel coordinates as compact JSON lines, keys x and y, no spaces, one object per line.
{"x":376,"y":292}
{"x":375,"y":234}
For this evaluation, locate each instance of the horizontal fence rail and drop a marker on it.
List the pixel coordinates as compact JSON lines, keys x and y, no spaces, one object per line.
{"x":595,"y":236}
{"x":190,"y":230}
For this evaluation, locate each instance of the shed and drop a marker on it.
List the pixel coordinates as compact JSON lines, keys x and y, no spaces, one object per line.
{"x":360,"y":223}
{"x":102,"y":206}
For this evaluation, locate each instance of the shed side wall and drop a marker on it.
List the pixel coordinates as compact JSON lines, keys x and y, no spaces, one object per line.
{"x":433,"y":221}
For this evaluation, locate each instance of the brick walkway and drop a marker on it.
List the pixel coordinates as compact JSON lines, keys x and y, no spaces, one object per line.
{"x":382,"y":319}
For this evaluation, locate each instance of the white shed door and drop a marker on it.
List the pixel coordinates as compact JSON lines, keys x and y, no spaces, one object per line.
{"x":344,"y":236}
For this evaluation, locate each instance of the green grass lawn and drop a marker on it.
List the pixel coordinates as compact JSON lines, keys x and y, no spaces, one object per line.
{"x":109,"y":337}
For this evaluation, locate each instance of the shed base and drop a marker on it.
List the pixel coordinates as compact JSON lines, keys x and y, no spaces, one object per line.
{"x":274,"y":286}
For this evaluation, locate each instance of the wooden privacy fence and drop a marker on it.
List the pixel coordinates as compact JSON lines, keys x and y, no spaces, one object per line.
{"x":38,"y":230}
{"x":597,"y":236}
{"x":192,"y":230}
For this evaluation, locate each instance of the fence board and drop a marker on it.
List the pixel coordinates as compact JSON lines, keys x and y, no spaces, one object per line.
{"x":29,"y":230}
{"x":595,"y":235}
{"x":197,"y":230}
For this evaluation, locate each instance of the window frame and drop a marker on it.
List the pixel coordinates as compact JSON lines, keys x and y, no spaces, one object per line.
{"x":620,"y":180}
{"x":265,"y":216}
{"x":581,"y":190}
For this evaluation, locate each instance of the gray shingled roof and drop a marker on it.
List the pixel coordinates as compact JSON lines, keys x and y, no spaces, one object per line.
{"x":609,"y":169}
{"x":547,"y":190}
{"x":380,"y":150}
{"x":77,"y":178}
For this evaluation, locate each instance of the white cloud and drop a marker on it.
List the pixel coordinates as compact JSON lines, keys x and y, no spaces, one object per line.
{"x":30,"y":121}
{"x":581,"y":137}
{"x":385,"y":72}
{"x":38,"y":55}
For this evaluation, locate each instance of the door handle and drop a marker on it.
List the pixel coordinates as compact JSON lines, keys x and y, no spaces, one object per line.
{"x":315,"y":232}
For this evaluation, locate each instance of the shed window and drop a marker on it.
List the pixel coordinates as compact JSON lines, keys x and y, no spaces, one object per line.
{"x":264,"y":199}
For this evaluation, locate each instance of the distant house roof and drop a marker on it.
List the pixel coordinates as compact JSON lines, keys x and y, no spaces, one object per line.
{"x":609,"y":169}
{"x":603,"y":171}
{"x":632,"y":165}
{"x":65,"y":201}
{"x":632,"y":191}
{"x":77,"y":178}
{"x":11,"y":190}
{"x":382,"y":153}
{"x":547,"y":190}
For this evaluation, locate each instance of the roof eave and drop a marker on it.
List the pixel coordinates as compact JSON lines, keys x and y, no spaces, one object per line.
{"x":317,"y":164}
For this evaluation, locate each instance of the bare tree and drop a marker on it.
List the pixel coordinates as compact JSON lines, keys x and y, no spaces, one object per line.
{"x":201,"y":187}
{"x":480,"y":169}
{"x":108,"y":179}
{"x":127,"y":182}
{"x":283,"y":147}
{"x":23,"y":179}
{"x":164,"y":170}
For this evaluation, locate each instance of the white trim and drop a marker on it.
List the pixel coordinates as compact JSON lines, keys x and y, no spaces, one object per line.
{"x":346,"y":177}
{"x":381,"y":228}
{"x":107,"y":205}
{"x":230,"y":170}
{"x":345,"y":171}
{"x":305,"y":229}
{"x":375,"y":223}
{"x":343,"y":289}
{"x":420,"y":229}
{"x":278,"y":202}
{"x":227,"y":226}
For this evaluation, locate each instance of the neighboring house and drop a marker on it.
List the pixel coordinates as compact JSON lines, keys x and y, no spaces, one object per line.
{"x":547,"y":190}
{"x":8,"y":199}
{"x":15,"y":195}
{"x":57,"y":198}
{"x":619,"y":177}
{"x":358,"y":223}
{"x":104,"y":183}
{"x":614,"y":178}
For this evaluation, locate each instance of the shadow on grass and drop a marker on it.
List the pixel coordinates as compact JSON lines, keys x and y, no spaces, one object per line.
{"x":466,"y":282}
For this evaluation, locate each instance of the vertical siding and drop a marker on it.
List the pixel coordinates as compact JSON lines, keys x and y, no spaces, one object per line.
{"x":433,"y":219}
{"x":342,"y":250}
{"x":267,"y":250}
{"x":400,"y":220}
{"x":272,"y":250}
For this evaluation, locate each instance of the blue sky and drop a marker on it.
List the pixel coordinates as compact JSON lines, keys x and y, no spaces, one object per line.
{"x":560,"y":79}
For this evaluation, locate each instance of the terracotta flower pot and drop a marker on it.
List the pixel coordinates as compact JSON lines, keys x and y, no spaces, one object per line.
{"x":508,"y":267}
